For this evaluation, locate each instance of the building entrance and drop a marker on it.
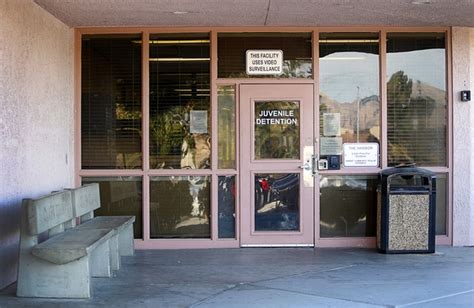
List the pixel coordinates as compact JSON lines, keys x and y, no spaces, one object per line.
{"x":277,"y":174}
{"x":207,"y":153}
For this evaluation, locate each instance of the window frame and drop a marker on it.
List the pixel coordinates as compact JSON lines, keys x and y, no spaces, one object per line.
{"x":145,"y":173}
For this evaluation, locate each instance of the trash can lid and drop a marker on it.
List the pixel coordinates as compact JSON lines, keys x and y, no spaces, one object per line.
{"x":407,"y":170}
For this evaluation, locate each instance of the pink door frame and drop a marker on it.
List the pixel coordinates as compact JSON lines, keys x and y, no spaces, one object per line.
{"x":249,"y":94}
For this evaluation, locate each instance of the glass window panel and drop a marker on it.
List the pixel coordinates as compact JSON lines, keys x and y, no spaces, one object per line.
{"x":226,"y":126}
{"x":441,"y":202}
{"x":277,"y":130}
{"x":226,"y":206}
{"x":296,"y":47}
{"x":120,"y":196}
{"x":277,"y":202}
{"x":180,"y":207}
{"x":180,"y":118}
{"x":416,"y":99}
{"x":349,"y":88}
{"x":111,"y":102}
{"x":348,"y":206}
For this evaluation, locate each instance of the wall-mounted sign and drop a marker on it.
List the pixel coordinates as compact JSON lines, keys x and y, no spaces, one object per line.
{"x":361,"y":154}
{"x":331,"y":124}
{"x":198,"y":122}
{"x":330,"y":146}
{"x":264,"y":62}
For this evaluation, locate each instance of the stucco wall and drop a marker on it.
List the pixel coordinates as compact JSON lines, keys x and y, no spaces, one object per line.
{"x":463,"y":122}
{"x":36,"y":115}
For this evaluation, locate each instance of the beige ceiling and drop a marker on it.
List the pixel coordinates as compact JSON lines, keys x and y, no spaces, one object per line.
{"x":87,"y":13}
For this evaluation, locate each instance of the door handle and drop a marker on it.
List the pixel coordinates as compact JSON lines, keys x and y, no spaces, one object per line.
{"x":307,"y":166}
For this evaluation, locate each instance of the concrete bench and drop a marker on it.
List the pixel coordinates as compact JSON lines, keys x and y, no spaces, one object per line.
{"x":86,"y":199}
{"x":61,"y":265}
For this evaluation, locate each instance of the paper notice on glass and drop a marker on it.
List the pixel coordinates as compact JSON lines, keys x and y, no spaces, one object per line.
{"x":198,"y":122}
{"x":330,"y":146}
{"x":361,"y":154}
{"x":331,"y":124}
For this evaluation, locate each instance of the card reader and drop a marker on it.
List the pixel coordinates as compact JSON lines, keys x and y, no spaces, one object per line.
{"x":323,"y":164}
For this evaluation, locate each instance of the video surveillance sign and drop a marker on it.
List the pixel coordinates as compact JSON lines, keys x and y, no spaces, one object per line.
{"x":264,"y":62}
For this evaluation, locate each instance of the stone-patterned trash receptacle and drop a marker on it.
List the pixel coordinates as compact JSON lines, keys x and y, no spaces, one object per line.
{"x":406,"y":209}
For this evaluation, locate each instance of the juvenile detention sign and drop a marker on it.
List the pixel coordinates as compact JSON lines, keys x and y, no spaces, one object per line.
{"x":264,"y":62}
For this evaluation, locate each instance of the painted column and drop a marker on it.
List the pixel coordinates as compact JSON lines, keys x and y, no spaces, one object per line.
{"x":463,"y":134}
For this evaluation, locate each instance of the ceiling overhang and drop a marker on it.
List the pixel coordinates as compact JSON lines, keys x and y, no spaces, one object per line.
{"x":272,"y":13}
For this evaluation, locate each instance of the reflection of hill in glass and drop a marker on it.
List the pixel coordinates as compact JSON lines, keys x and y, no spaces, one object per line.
{"x":369,"y":106}
{"x":368,"y":110}
{"x":416,"y":113}
{"x":421,"y":89}
{"x":432,"y":104}
{"x":416,"y":122}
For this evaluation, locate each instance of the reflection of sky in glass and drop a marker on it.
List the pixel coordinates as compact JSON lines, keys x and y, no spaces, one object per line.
{"x":342,"y":72}
{"x":427,"y":65}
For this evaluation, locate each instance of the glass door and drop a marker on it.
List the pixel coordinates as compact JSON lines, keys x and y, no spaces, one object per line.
{"x":276,"y":132}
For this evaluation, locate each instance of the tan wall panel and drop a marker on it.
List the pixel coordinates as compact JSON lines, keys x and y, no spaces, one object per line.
{"x":36,"y":116}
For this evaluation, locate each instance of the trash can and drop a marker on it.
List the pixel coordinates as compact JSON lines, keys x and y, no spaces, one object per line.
{"x":406,"y":209}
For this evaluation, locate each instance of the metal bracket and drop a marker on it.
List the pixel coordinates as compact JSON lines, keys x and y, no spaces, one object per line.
{"x":314,"y":162}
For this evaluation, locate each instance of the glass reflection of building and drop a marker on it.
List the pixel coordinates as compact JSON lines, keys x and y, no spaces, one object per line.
{"x":179,"y":89}
{"x":349,"y":84}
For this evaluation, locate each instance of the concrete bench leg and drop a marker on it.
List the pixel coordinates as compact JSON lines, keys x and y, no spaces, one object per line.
{"x":39,"y":278}
{"x":100,"y":261}
{"x":114,"y":252}
{"x":126,"y":241}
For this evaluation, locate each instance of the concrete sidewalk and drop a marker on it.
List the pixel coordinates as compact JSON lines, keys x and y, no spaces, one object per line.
{"x":279,"y":277}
